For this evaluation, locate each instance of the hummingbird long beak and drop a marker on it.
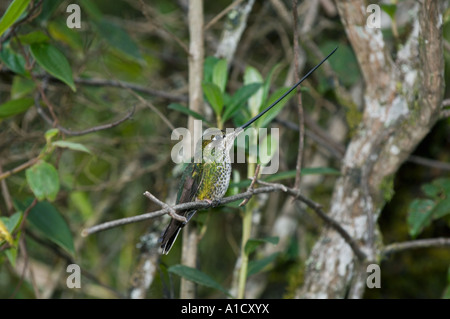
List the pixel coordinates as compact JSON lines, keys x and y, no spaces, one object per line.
{"x":284,"y":95}
{"x":230,"y":137}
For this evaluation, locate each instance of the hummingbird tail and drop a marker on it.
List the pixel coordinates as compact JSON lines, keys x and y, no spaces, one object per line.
{"x":171,"y":233}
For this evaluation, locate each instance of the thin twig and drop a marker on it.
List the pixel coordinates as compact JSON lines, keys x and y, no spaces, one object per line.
{"x":153,"y":108}
{"x":134,"y":87}
{"x":429,"y":162}
{"x":155,"y":21}
{"x":317,"y":134}
{"x":221,"y":14}
{"x":5,"y":193}
{"x":19,"y":168}
{"x":317,"y":208}
{"x":415,"y":244}
{"x":172,"y":211}
{"x":102,"y":127}
{"x":445,"y":113}
{"x":49,"y":104}
{"x":282,"y":12}
{"x":445,"y":103}
{"x":25,"y":215}
{"x":281,"y":186}
{"x":250,"y":188}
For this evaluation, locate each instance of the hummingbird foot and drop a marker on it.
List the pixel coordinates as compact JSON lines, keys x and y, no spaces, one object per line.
{"x":214,"y":203}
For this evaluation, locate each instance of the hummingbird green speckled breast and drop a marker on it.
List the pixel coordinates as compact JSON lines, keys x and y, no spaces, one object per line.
{"x":209,"y":179}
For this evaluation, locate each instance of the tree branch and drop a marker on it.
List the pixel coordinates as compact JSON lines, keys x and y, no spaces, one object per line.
{"x":221,"y":14}
{"x":415,"y":244}
{"x":102,"y":127}
{"x":268,"y":188}
{"x":171,"y":211}
{"x":252,"y":184}
{"x":135,"y":87}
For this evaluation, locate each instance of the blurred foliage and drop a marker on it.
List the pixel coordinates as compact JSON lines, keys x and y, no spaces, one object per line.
{"x":61,"y":184}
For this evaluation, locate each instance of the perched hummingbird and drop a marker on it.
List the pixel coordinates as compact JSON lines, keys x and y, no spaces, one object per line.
{"x":209,"y":179}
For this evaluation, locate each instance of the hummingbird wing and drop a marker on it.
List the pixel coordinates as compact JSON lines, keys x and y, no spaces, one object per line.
{"x":189,"y":185}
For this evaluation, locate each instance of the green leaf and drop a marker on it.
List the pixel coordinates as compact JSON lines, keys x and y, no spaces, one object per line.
{"x":60,"y":32}
{"x":21,"y":87}
{"x":5,"y":235}
{"x":446,"y":294}
{"x":71,"y":145}
{"x":214,"y":96}
{"x":419,"y":215}
{"x":11,"y":253}
{"x":51,"y":133}
{"x":256,"y":266}
{"x":33,"y":37}
{"x":48,"y":8}
{"x":43,"y":180}
{"x":239,"y":98}
{"x":12,"y":14}
{"x":180,"y":108}
{"x":267,"y":82}
{"x":441,"y":209}
{"x":48,"y":220}
{"x":390,"y":9}
{"x":443,"y":184}
{"x":269,"y":116}
{"x":54,"y":62}
{"x":17,"y":106}
{"x":12,"y":221}
{"x":14,"y":62}
{"x":197,"y":276}
{"x":208,"y":68}
{"x":220,"y":74}
{"x":252,"y":75}
{"x":438,"y":188}
{"x":80,"y":200}
{"x":253,"y":243}
{"x":431,"y":190}
{"x":91,"y":9}
{"x":117,"y":38}
{"x":7,"y":227}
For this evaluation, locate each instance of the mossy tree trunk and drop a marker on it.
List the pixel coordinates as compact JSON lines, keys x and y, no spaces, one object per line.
{"x":403,"y":100}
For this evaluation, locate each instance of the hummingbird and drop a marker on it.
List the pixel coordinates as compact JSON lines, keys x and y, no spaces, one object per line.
{"x":209,"y":179}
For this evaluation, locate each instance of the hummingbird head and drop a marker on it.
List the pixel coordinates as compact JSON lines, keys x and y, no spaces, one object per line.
{"x":216,"y":144}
